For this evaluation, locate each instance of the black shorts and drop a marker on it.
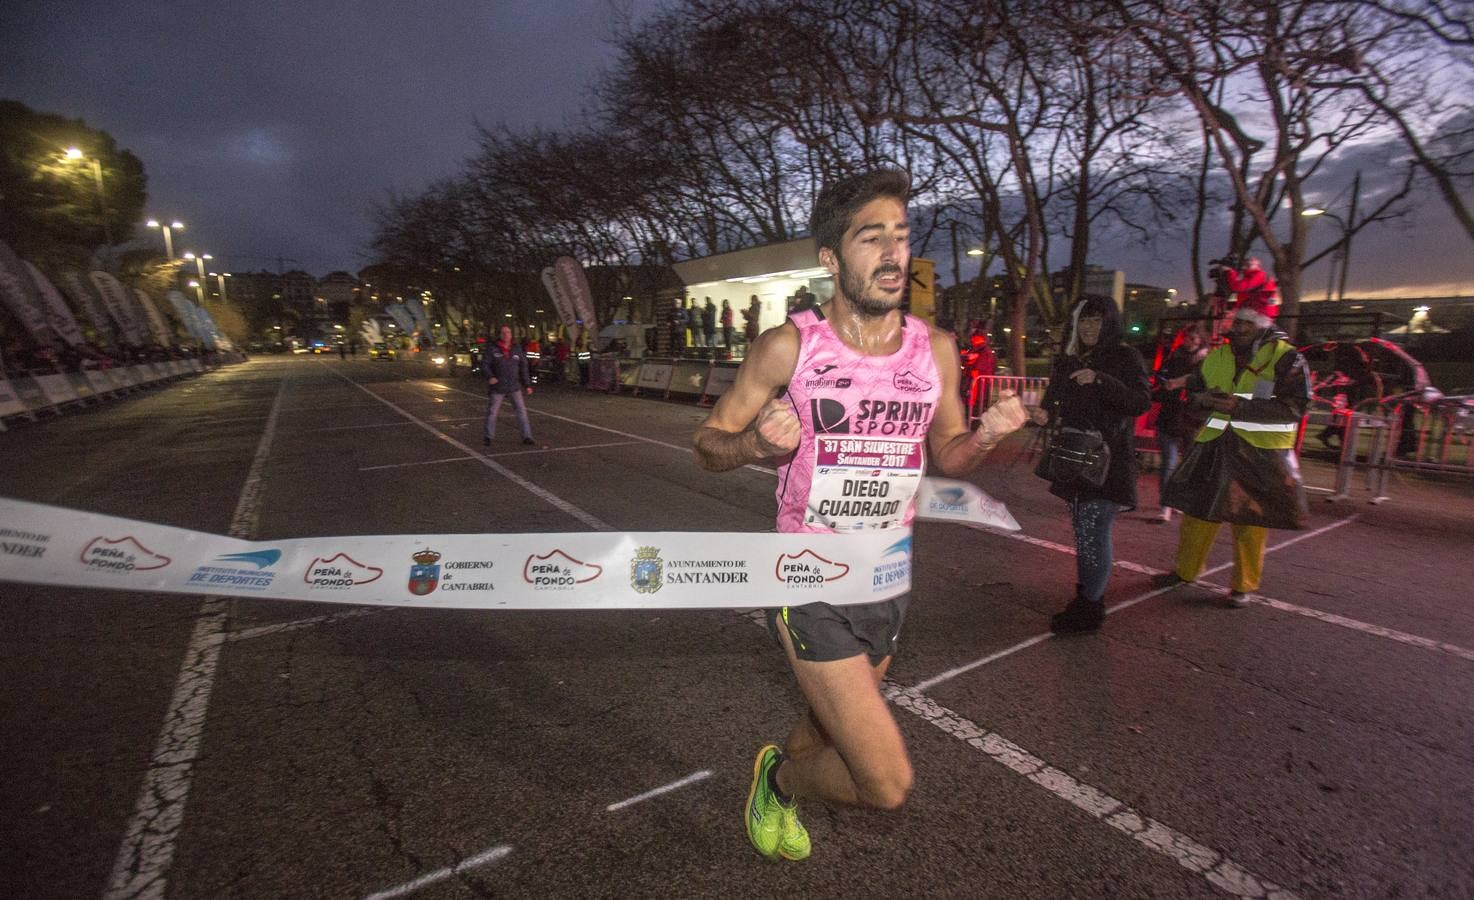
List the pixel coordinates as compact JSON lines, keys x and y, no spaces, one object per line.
{"x":824,"y":633}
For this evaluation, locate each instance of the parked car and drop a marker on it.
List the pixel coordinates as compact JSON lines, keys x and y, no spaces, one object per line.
{"x":382,"y":350}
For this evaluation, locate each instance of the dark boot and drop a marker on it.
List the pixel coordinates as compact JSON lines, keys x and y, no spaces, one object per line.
{"x":1080,"y":615}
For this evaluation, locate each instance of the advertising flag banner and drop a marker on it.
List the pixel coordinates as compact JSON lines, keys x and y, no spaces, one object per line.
{"x":416,"y":308}
{"x":184,"y":309}
{"x":85,"y":297}
{"x":58,"y":314}
{"x":561,"y":303}
{"x":115,"y":298}
{"x":401,"y":316}
{"x":156,"y":323}
{"x":575,"y":284}
{"x":21,"y":298}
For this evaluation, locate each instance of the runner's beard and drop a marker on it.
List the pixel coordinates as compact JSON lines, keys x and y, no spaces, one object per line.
{"x":854,"y":286}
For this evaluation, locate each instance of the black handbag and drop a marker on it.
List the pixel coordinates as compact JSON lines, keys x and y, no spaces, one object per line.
{"x":1073,"y":456}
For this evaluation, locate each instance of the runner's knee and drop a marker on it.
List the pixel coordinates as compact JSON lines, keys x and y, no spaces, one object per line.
{"x":888,"y":789}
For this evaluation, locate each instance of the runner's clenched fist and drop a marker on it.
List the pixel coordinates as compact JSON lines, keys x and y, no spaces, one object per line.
{"x":776,"y":428}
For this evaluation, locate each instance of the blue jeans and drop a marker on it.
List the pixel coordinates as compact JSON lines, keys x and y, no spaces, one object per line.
{"x":1172,"y":452}
{"x":1093,"y":521}
{"x":518,"y":404}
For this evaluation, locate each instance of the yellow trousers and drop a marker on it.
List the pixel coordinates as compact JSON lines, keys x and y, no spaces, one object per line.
{"x":1195,"y":539}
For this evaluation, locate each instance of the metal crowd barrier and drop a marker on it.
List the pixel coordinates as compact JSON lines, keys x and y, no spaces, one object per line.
{"x":984,"y":388}
{"x":1434,"y":437}
{"x":31,"y":396}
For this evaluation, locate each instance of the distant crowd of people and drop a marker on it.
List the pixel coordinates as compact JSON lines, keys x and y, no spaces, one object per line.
{"x":21,"y":358}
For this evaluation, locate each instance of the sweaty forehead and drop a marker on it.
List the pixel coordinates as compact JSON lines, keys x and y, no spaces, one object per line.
{"x":882,"y":212}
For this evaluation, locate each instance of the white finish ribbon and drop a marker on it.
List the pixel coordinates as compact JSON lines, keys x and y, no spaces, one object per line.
{"x":586,"y":570}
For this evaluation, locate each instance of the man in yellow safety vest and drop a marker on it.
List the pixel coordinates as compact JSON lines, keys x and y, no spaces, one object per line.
{"x":1242,"y":468}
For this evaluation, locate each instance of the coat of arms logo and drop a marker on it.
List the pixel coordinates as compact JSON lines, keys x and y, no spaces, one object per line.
{"x":646,"y":570}
{"x":424,"y":575}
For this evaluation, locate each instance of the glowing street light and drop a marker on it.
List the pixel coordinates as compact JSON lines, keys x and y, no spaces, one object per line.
{"x":199,"y":291}
{"x":176,"y":225}
{"x":199,"y":262}
{"x":220,"y":278}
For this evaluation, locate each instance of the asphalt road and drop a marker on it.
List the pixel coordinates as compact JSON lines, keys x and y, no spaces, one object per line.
{"x":1319,"y":742}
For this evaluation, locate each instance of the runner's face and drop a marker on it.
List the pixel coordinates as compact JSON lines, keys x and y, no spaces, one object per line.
{"x":506,"y":334}
{"x":875,"y":257}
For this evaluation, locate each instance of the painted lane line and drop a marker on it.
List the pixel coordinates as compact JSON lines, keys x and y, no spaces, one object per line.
{"x":1390,"y":634}
{"x":246,"y":634}
{"x":541,"y":493}
{"x":963,"y":669}
{"x":663,"y":789}
{"x":388,"y":425}
{"x":541,"y":450}
{"x":409,"y":887}
{"x":423,"y":462}
{"x":141,"y":868}
{"x":634,"y":437}
{"x":1213,"y":866}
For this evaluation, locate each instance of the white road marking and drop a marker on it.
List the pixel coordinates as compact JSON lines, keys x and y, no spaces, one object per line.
{"x":1391,"y":634}
{"x":409,"y":887}
{"x":663,"y":789}
{"x":246,"y":634}
{"x":423,"y":462}
{"x":1125,"y":604}
{"x":141,"y":868}
{"x":634,"y":437}
{"x":542,"y":493}
{"x":388,"y":424}
{"x":1216,"y":868}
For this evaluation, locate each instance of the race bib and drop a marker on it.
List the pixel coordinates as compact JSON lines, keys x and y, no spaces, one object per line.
{"x":863,"y":483}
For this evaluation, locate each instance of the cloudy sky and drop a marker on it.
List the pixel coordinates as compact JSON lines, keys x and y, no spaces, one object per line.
{"x":270,"y":128}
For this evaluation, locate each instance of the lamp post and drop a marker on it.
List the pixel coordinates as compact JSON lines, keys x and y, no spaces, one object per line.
{"x":220,"y":279}
{"x":74,"y":153}
{"x":1341,"y":253}
{"x":168,"y":236}
{"x":199,"y":292}
{"x":199,"y":262}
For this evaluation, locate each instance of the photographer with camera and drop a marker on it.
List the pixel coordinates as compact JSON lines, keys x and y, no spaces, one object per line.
{"x":1242,"y":468}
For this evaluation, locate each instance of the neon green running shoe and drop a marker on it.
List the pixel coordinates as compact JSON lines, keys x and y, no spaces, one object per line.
{"x":794,"y":843}
{"x":764,"y":814}
{"x":772,"y":826}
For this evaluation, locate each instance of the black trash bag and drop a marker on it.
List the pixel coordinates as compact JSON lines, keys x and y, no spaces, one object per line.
{"x":1230,"y":480}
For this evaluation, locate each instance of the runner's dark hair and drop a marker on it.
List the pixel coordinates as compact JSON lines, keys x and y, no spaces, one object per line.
{"x":838,"y":202}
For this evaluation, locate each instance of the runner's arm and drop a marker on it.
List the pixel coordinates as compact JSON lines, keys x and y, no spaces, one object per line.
{"x":747,"y":424}
{"x":957,"y":449}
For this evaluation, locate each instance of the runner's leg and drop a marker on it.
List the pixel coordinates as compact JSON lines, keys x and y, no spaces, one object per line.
{"x":864,"y":763}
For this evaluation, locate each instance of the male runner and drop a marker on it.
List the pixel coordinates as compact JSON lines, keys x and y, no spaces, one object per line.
{"x":855,"y":366}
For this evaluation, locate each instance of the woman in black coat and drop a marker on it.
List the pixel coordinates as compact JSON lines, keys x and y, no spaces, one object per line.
{"x":1097,"y":384}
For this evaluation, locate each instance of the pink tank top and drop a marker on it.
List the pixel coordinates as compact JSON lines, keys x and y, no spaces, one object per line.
{"x":864,"y":419}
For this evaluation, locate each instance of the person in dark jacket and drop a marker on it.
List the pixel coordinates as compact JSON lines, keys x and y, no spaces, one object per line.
{"x":507,"y":376}
{"x":1097,"y":384}
{"x":1176,"y":422}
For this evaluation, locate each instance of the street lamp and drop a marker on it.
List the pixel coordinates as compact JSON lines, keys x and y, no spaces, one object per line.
{"x":220,"y":278}
{"x":168,"y":236}
{"x":199,"y":291}
{"x":199,"y":262}
{"x":74,"y":153}
{"x":1343,"y":249}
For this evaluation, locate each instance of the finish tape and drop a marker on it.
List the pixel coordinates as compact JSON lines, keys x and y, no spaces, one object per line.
{"x":585,"y":570}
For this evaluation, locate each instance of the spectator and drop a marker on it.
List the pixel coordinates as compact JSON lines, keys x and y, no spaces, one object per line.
{"x":1242,"y":467}
{"x":678,"y":327}
{"x":1176,"y":423}
{"x":726,"y":323}
{"x":1097,"y":384}
{"x":507,"y":377}
{"x":750,"y":317}
{"x":709,"y":324}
